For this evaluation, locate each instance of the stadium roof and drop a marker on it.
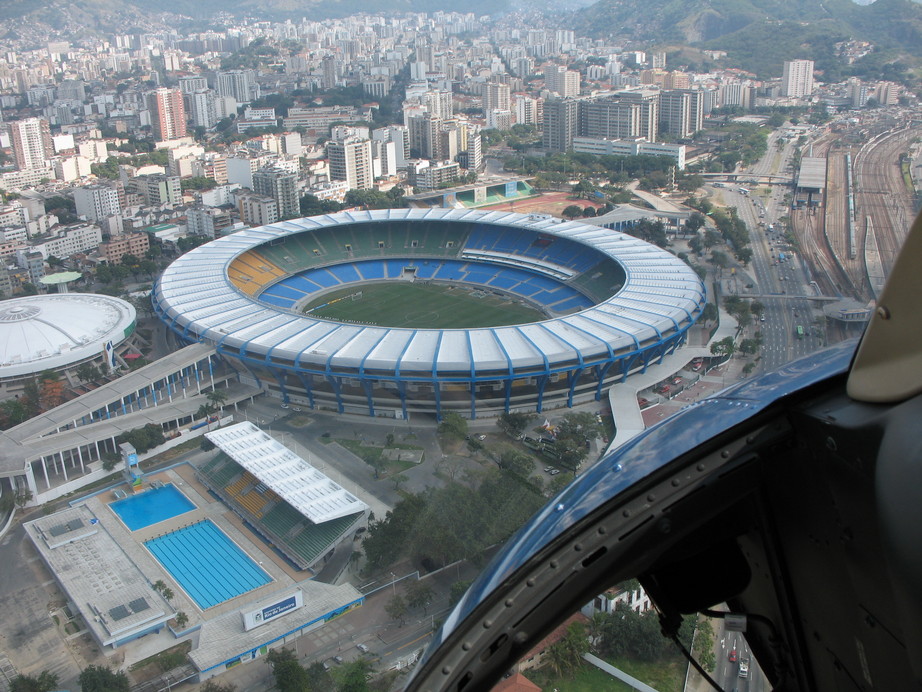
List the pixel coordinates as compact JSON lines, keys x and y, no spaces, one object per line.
{"x":309,"y":491}
{"x":53,"y":331}
{"x":660,"y":293}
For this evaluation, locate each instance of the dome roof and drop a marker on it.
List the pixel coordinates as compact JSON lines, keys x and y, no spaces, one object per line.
{"x":54,"y":331}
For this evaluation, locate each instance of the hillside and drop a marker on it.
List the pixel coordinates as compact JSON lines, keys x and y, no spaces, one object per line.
{"x":760,"y":34}
{"x":106,"y":15}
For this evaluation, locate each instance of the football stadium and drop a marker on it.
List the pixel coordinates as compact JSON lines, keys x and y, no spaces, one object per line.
{"x":403,"y":312}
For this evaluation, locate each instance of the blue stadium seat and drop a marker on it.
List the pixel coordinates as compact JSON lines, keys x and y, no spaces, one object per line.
{"x":346,"y":273}
{"x":371,"y":270}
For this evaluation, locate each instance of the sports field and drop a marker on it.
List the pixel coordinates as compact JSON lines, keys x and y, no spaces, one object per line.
{"x":422,"y":306}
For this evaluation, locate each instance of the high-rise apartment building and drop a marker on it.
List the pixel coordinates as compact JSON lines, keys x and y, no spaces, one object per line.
{"x":203,"y":108}
{"x":238,"y":84}
{"x":31,"y":141}
{"x":351,"y":160}
{"x":560,"y":121}
{"x":797,"y":78}
{"x":496,"y":97}
{"x":256,"y":209}
{"x":168,"y":113}
{"x":425,"y":141}
{"x":558,"y":79}
{"x":282,"y":186}
{"x":525,"y":109}
{"x":96,"y":202}
{"x":189,"y":85}
{"x":681,"y":111}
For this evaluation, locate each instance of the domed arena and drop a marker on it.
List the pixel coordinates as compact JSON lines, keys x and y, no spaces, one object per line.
{"x":58,"y":332}
{"x":405,"y":312}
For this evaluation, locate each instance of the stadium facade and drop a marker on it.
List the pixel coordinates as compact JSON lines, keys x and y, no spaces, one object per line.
{"x":613,"y":304}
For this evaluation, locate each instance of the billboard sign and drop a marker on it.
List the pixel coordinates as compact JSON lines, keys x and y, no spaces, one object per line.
{"x":276,"y":609}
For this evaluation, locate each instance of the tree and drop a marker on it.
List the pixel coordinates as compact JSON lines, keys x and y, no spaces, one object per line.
{"x":45,"y":682}
{"x":694,"y":222}
{"x":88,"y":372}
{"x":514,"y":424}
{"x":566,"y":653}
{"x":453,"y":425}
{"x":397,"y":609}
{"x":290,"y":675}
{"x":709,"y":313}
{"x":457,"y":590}
{"x":181,"y":619}
{"x":103,"y":679}
{"x":749,"y":346}
{"x":353,"y":676}
{"x":756,"y":307}
{"x":318,"y":678}
{"x":724,"y":347}
{"x":215,"y":686}
{"x":513,"y":461}
{"x":572,"y":211}
{"x":419,"y":595}
{"x":168,"y":594}
{"x":149,"y":267}
{"x":23,"y":497}
{"x":217,"y":397}
{"x":398,"y":479}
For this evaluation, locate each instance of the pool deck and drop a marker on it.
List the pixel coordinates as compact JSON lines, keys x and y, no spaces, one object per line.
{"x":133,"y":544}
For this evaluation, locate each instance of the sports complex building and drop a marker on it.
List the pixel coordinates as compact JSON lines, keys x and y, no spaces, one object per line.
{"x":604,"y":304}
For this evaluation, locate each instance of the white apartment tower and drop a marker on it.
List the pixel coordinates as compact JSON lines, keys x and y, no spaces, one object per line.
{"x":797,"y":78}
{"x":560,"y":80}
{"x":203,"y":107}
{"x":350,"y":160}
{"x":96,"y":202}
{"x":496,"y":97}
{"x":31,"y":141}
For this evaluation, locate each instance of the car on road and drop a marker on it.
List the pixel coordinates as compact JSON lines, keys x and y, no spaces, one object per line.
{"x":761,"y":318}
{"x":363,"y":648}
{"x":285,"y":406}
{"x":676,"y":380}
{"x":554,"y":472}
{"x":732,"y":656}
{"x":642,"y":402}
{"x":548,"y":469}
{"x":481,"y":437}
{"x":338,"y":660}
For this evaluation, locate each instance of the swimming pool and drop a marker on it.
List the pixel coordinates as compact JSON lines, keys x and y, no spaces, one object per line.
{"x":152,"y":506}
{"x":208,"y":565}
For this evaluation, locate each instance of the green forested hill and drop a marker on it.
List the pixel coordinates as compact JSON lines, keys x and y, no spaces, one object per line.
{"x":761,"y":34}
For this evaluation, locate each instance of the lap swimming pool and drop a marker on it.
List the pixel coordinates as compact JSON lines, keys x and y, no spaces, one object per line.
{"x":152,"y":506}
{"x":208,"y":565}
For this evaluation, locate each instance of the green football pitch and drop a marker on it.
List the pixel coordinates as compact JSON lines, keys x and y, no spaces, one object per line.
{"x":422,"y":306}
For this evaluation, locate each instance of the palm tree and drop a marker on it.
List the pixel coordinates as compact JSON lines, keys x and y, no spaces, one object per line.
{"x":217,"y":398}
{"x":159,"y":586}
{"x":167,"y":593}
{"x":181,"y":619}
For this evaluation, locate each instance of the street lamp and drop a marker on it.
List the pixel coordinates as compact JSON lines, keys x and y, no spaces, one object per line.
{"x":394,"y":583}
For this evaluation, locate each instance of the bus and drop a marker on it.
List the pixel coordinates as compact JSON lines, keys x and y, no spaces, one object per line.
{"x":799,"y":330}
{"x":744,"y":191}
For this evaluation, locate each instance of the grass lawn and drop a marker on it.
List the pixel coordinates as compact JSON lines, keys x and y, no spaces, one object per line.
{"x":423,"y":305}
{"x":667,"y":675}
{"x":374,"y":456}
{"x":586,"y":678}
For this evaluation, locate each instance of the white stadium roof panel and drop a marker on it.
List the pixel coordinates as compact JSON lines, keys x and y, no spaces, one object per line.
{"x":312,"y":493}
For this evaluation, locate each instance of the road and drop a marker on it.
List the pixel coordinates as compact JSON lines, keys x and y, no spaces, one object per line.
{"x":781,"y":285}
